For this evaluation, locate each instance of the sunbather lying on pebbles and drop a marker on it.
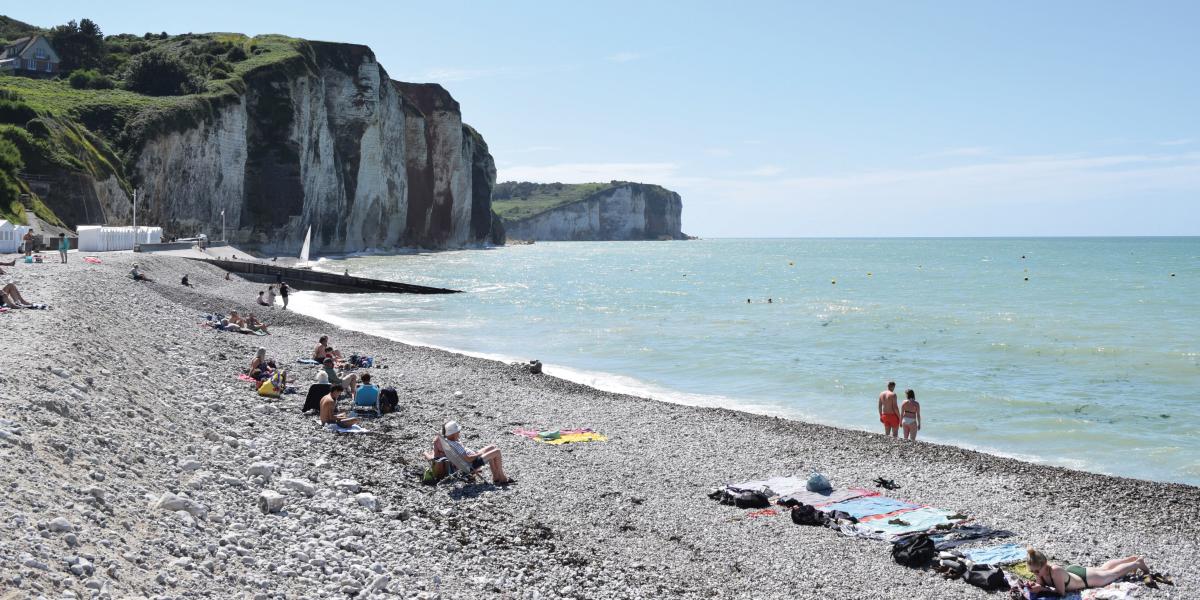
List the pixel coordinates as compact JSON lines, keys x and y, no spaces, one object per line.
{"x":12,"y":298}
{"x":489,"y":455}
{"x":329,"y":414}
{"x":1073,"y":578}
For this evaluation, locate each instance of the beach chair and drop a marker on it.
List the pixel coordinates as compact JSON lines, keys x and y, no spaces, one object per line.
{"x":462,"y":467}
{"x":368,"y":400}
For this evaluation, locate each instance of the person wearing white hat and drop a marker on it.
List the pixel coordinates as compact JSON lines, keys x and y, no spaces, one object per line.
{"x":489,"y":455}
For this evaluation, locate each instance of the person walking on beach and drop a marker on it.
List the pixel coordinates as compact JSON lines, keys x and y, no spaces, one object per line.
{"x":283,"y":293}
{"x":889,"y":413}
{"x":910,"y":415}
{"x":63,"y":246}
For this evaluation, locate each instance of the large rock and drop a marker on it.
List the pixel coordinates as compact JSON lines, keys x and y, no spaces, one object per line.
{"x":171,"y":502}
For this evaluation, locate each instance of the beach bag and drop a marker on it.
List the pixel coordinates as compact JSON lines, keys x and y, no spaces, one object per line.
{"x":987,"y":577}
{"x":741,"y":498}
{"x":803,"y":514}
{"x":388,"y":399}
{"x":818,"y":483}
{"x":915,"y":551}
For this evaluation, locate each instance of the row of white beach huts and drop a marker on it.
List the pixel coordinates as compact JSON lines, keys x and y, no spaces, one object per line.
{"x":92,"y":238}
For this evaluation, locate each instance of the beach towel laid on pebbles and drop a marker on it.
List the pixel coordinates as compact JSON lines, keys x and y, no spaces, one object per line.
{"x":804,"y":496}
{"x":967,"y":534}
{"x":901,"y":522}
{"x":772,"y":486}
{"x":871,"y":506}
{"x":557,"y":437}
{"x":335,"y":428}
{"x":1003,"y":554}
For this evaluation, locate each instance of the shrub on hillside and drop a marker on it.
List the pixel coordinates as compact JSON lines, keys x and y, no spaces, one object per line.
{"x":15,"y":112}
{"x":10,"y":165}
{"x":90,"y":79}
{"x":157,"y":73}
{"x":236,"y":54}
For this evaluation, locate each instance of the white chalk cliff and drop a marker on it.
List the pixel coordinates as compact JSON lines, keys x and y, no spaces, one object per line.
{"x":628,"y":211}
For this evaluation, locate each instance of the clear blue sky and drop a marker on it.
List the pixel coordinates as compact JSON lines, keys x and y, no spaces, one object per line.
{"x":798,"y":119}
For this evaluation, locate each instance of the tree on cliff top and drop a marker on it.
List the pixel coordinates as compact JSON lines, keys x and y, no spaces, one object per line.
{"x":79,"y":45}
{"x":157,"y":73}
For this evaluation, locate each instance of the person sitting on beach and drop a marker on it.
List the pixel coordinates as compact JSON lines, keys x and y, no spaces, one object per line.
{"x":347,"y":381}
{"x":889,"y":414}
{"x":262,"y":301}
{"x":184,"y":282}
{"x":137,"y":275}
{"x":336,"y":354}
{"x":253,"y":323}
{"x":910,"y":415}
{"x":12,"y":298}
{"x":319,"y":351}
{"x":260,"y":367}
{"x":489,"y":455}
{"x":367,"y":394}
{"x":328,"y":412}
{"x":236,"y":319}
{"x":271,"y":296}
{"x":1073,"y":578}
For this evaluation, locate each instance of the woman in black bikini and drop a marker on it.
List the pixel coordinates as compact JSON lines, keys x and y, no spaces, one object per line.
{"x":1073,"y":578}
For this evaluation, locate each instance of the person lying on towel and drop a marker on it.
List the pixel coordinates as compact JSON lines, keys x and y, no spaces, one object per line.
{"x":489,"y":455}
{"x":1073,"y":578}
{"x":329,"y":414}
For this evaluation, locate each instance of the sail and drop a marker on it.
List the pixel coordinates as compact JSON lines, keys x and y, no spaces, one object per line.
{"x":304,"y":248}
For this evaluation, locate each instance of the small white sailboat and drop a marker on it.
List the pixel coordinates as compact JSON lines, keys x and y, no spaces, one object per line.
{"x":303,"y":264}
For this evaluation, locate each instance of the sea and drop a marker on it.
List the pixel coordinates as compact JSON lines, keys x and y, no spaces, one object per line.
{"x":1079,"y":352}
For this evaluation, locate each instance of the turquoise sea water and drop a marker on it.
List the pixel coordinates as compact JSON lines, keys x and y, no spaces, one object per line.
{"x":1093,"y":363}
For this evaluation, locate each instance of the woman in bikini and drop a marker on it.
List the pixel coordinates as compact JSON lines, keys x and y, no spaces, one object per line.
{"x":1073,"y":578}
{"x":910,"y":415}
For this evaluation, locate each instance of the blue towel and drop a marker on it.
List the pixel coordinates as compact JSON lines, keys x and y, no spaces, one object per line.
{"x":870,"y":506}
{"x":920,"y":519}
{"x":1004,"y":554}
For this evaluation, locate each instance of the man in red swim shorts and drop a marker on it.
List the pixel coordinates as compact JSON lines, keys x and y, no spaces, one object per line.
{"x":889,"y":413}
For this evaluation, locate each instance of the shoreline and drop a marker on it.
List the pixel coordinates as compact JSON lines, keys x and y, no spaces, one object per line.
{"x":627,"y":518}
{"x":614,"y":383}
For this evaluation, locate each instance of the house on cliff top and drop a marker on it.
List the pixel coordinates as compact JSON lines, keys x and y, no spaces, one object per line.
{"x":31,"y":56}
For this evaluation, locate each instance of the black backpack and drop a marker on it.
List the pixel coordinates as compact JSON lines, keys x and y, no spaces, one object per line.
{"x":987,"y":577}
{"x":803,"y":514}
{"x":915,"y":551}
{"x":749,"y":499}
{"x":389,"y":399}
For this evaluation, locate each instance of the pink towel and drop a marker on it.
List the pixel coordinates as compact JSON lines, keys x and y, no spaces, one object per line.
{"x":245,"y":377}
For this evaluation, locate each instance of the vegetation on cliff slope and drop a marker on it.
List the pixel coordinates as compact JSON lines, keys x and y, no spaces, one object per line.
{"x":517,"y":200}
{"x":124,"y":89}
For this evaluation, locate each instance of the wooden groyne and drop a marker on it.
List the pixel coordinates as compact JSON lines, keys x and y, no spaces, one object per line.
{"x":320,"y":281}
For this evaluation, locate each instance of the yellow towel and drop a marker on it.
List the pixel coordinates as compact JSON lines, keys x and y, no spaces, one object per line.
{"x":1021,"y":570}
{"x":568,"y":438}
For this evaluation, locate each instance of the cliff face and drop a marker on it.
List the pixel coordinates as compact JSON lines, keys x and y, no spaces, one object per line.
{"x":327,"y":140}
{"x":629,"y":211}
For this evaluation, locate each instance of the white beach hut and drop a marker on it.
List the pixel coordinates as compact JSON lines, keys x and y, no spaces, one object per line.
{"x":10,"y":236}
{"x":97,"y":238}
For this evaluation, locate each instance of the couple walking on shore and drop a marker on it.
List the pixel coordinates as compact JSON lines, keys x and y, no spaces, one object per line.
{"x":907,"y":415}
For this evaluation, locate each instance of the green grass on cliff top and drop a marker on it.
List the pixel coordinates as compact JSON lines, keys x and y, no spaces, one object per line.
{"x":514,"y":202}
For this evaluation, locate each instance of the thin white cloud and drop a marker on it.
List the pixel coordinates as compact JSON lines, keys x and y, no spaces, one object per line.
{"x":766,"y":171}
{"x":648,"y":172}
{"x":1053,"y":194}
{"x":958,"y":152}
{"x":718,"y":152}
{"x":1178,"y":142}
{"x":623,"y":57}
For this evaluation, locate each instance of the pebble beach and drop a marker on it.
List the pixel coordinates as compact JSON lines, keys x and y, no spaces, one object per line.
{"x":134,"y":461}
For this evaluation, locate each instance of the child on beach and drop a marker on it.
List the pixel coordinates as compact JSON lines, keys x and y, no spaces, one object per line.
{"x":889,"y":415}
{"x":262,"y":301}
{"x":910,"y":415}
